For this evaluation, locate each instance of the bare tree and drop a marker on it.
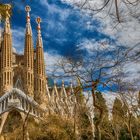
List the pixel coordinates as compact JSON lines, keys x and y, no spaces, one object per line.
{"x":93,"y":72}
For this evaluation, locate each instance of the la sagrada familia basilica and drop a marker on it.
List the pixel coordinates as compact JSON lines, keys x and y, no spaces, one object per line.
{"x":23,"y":82}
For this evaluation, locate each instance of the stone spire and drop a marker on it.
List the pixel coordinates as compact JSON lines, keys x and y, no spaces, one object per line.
{"x":39,"y":38}
{"x":6,"y":55}
{"x":28,"y":57}
{"x":28,"y":24}
{"x":0,"y":52}
{"x":40,"y":76}
{"x":0,"y":31}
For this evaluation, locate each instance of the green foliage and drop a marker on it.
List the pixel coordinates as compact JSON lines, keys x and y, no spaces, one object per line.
{"x":104,"y":123}
{"x":124,"y":122}
{"x":100,"y":101}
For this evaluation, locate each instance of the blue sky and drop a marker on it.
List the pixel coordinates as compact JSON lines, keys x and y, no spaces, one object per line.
{"x":63,"y":26}
{"x":68,"y":31}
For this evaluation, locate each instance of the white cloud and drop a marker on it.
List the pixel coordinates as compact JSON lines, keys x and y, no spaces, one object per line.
{"x":53,"y":8}
{"x":51,"y":59}
{"x":127,"y":33}
{"x":18,"y":36}
{"x":129,"y":98}
{"x":91,"y":44}
{"x":54,"y":70}
{"x":110,"y":97}
{"x":132,"y":71}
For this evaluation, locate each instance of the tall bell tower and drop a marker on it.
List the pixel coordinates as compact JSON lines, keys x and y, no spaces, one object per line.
{"x":0,"y":52}
{"x":6,"y":55}
{"x":28,"y":57}
{"x":40,"y":76}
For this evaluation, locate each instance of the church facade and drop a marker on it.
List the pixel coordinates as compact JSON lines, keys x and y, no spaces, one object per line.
{"x":23,"y":81}
{"x":29,"y":68}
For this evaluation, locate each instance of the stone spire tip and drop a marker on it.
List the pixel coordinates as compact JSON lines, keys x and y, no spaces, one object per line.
{"x":7,"y":22}
{"x":7,"y":7}
{"x":54,"y":82}
{"x":27,"y":8}
{"x":63,"y":82}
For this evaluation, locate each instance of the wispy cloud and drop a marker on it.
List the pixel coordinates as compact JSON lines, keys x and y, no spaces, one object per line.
{"x":18,"y":36}
{"x":51,"y":59}
{"x":91,"y":45}
{"x":126,"y":33}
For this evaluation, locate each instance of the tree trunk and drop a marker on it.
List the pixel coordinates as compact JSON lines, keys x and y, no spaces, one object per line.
{"x":130,"y":129}
{"x":93,"y":131}
{"x":92,"y":125}
{"x":100,"y":111}
{"x":76,"y":133}
{"x":116,"y":135}
{"x":98,"y":133}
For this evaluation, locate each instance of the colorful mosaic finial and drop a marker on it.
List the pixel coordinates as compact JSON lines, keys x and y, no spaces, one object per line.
{"x":38,"y":21}
{"x":28,"y":9}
